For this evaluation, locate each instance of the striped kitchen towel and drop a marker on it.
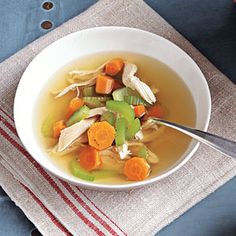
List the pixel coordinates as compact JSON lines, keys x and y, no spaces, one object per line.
{"x":58,"y":208}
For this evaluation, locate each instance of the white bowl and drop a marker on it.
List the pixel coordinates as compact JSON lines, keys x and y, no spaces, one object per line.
{"x":96,"y":40}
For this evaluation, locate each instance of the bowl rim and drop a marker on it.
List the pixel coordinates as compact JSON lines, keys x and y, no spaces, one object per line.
{"x":126,"y":186}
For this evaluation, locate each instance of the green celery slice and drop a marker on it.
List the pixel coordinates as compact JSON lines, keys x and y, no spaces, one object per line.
{"x":109,"y":117}
{"x":102,"y":174}
{"x":121,"y":108}
{"x":94,"y":102}
{"x":120,"y":131}
{"x":134,"y":100}
{"x":101,"y":99}
{"x":88,"y":91}
{"x":119,"y":94}
{"x":79,"y":115}
{"x":133,"y":129}
{"x":47,"y":127}
{"x":79,"y":172}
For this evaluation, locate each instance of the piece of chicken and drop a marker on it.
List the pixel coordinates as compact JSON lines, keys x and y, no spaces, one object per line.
{"x":130,"y":80}
{"x":64,"y":91}
{"x":81,"y":73}
{"x":70,"y":134}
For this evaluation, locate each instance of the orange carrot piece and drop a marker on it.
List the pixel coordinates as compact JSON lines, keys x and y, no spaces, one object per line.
{"x":58,"y":127}
{"x":75,"y":104}
{"x":139,"y":110}
{"x":156,"y":111}
{"x":89,"y":158}
{"x":104,"y":84}
{"x":114,"y":66}
{"x":101,"y":135}
{"x":136,"y":169}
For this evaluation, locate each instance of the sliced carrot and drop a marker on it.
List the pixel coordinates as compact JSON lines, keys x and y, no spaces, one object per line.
{"x":136,"y":168}
{"x":75,"y":104}
{"x":104,"y":84}
{"x":117,"y":84}
{"x":139,"y":110}
{"x":156,"y":111}
{"x":101,"y":135}
{"x":89,"y":158}
{"x":114,"y":66}
{"x":58,"y":127}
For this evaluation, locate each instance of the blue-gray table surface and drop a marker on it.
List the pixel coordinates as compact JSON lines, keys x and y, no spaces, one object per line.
{"x":208,"y":25}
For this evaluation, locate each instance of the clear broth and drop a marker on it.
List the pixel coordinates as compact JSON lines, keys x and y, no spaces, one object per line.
{"x":173,"y":95}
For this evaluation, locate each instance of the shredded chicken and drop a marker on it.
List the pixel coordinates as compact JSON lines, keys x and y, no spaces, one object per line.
{"x":130,"y":80}
{"x":97,"y":111}
{"x":109,"y":152}
{"x":134,"y":143}
{"x":123,"y":151}
{"x":144,"y":90}
{"x":78,"y":143}
{"x":78,"y":92}
{"x":64,"y":91}
{"x":111,"y":161}
{"x":151,"y":157}
{"x":128,"y":72}
{"x":84,"y":75}
{"x":70,"y":134}
{"x":150,"y":135}
{"x":149,"y":124}
{"x":139,"y":135}
{"x":81,"y":73}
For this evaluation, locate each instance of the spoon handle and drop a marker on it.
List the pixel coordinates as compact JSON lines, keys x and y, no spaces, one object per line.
{"x":223,"y":145}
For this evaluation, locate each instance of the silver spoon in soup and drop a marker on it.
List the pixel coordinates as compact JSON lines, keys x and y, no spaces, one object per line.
{"x":220,"y":144}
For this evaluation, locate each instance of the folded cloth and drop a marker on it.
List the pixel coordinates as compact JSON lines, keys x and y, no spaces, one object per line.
{"x":58,"y":208}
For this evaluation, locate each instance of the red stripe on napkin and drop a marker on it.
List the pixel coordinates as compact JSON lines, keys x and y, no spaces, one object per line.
{"x":89,"y":210}
{"x":51,"y":182}
{"x":49,"y":214}
{"x":101,"y":211}
{"x":56,"y":187}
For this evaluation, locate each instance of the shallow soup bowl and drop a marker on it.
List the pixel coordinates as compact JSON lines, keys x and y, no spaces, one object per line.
{"x":97,"y":40}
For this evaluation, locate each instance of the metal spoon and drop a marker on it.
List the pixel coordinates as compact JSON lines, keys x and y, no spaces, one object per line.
{"x":223,"y":145}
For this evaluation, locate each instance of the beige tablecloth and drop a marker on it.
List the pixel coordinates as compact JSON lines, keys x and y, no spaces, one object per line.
{"x":57,"y":208}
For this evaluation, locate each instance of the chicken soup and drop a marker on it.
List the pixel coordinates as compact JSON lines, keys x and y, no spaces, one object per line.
{"x":95,"y":117}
